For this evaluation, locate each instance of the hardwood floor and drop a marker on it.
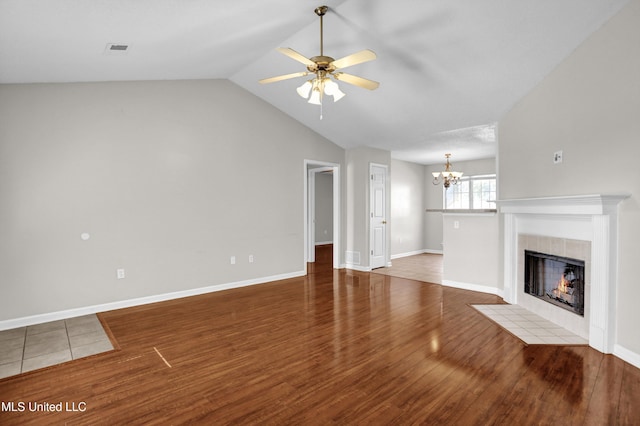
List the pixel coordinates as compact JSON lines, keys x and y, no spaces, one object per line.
{"x":339,"y":347}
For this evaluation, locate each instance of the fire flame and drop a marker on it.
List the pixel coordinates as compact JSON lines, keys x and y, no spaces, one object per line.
{"x":563,"y":284}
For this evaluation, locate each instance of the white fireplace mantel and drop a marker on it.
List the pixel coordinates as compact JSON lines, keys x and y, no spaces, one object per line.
{"x":595,"y":204}
{"x":592,"y":218}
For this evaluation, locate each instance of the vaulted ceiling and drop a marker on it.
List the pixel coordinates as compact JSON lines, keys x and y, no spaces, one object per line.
{"x":448,"y":69}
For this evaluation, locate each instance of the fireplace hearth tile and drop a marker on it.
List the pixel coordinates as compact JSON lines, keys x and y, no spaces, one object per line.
{"x":529,"y":327}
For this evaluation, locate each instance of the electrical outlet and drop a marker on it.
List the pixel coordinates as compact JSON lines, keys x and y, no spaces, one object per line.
{"x":557,"y":157}
{"x":250,"y":258}
{"x":233,"y":260}
{"x":120,"y":274}
{"x":456,"y":224}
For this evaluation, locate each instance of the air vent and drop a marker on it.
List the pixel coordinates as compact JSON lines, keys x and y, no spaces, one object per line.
{"x":352,"y":257}
{"x":117,"y":49}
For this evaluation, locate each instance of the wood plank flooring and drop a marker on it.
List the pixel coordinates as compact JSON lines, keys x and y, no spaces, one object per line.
{"x":335,"y":347}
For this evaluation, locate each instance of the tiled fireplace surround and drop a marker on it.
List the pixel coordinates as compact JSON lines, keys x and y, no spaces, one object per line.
{"x":574,"y":249}
{"x":582,"y":227}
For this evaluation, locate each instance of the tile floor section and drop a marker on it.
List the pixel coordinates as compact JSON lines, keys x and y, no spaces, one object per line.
{"x":529,"y":327}
{"x":422,"y":267}
{"x":38,"y":346}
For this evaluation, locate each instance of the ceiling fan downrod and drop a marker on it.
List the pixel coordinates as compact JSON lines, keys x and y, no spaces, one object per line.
{"x":320,"y":11}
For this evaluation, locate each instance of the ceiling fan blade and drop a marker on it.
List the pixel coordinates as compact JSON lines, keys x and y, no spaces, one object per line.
{"x":357,"y":81}
{"x":283,"y":77}
{"x":295,"y":55}
{"x":354,"y":59}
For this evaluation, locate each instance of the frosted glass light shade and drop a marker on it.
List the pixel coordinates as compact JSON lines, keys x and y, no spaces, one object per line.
{"x":304,"y":89}
{"x":315,"y":97}
{"x":331,"y":88}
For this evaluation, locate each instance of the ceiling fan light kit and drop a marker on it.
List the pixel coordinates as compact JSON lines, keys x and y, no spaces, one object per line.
{"x":317,"y":88}
{"x":324,"y":68}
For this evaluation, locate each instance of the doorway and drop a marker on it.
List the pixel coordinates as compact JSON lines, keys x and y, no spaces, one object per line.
{"x":378,"y":216}
{"x":316,"y":171}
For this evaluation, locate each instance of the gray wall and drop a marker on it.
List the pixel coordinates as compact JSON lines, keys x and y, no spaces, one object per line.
{"x":407,"y":208}
{"x":589,"y":107}
{"x":357,"y":199}
{"x":170,"y":179}
{"x":324,"y":208}
{"x":472,"y":252}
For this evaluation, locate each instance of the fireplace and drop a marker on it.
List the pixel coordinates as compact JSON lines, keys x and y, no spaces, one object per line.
{"x":575,"y":227}
{"x":555,"y":279}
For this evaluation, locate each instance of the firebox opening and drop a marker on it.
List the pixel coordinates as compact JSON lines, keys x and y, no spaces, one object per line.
{"x":555,"y":279}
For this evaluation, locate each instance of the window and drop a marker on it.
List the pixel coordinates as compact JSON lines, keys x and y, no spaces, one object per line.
{"x":474,"y":192}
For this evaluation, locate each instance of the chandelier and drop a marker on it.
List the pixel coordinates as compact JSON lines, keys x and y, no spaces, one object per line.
{"x":447,"y":176}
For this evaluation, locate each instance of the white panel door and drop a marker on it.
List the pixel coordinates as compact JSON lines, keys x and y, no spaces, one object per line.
{"x":378,"y":222}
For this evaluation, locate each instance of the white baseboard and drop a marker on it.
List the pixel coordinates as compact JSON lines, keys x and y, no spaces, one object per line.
{"x":414,"y":253}
{"x":323,"y":243}
{"x":76,"y":312}
{"x":474,"y":287}
{"x":430,"y":251}
{"x":410,"y":253}
{"x":357,"y":267}
{"x":627,"y":355}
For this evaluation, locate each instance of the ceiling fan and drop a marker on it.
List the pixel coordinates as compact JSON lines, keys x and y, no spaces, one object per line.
{"x":323,"y":68}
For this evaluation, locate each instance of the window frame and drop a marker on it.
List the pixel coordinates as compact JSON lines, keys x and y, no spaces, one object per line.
{"x":470,"y":179}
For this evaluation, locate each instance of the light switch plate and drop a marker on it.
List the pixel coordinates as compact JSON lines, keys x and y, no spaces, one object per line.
{"x":557,"y":157}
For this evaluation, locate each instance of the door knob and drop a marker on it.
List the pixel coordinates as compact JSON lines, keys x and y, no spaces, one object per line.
{"x":384,"y":222}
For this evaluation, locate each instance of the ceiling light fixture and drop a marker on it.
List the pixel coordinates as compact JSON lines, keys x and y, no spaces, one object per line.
{"x":315,"y":89}
{"x":324,"y":68}
{"x":447,"y":176}
{"x":318,"y":87}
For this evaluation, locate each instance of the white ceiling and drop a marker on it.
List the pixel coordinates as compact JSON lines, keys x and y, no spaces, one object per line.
{"x":449,"y":69}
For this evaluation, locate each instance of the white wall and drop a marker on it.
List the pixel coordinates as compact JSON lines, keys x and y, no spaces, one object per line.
{"x":170,"y":179}
{"x":589,"y":107}
{"x":407,"y":208}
